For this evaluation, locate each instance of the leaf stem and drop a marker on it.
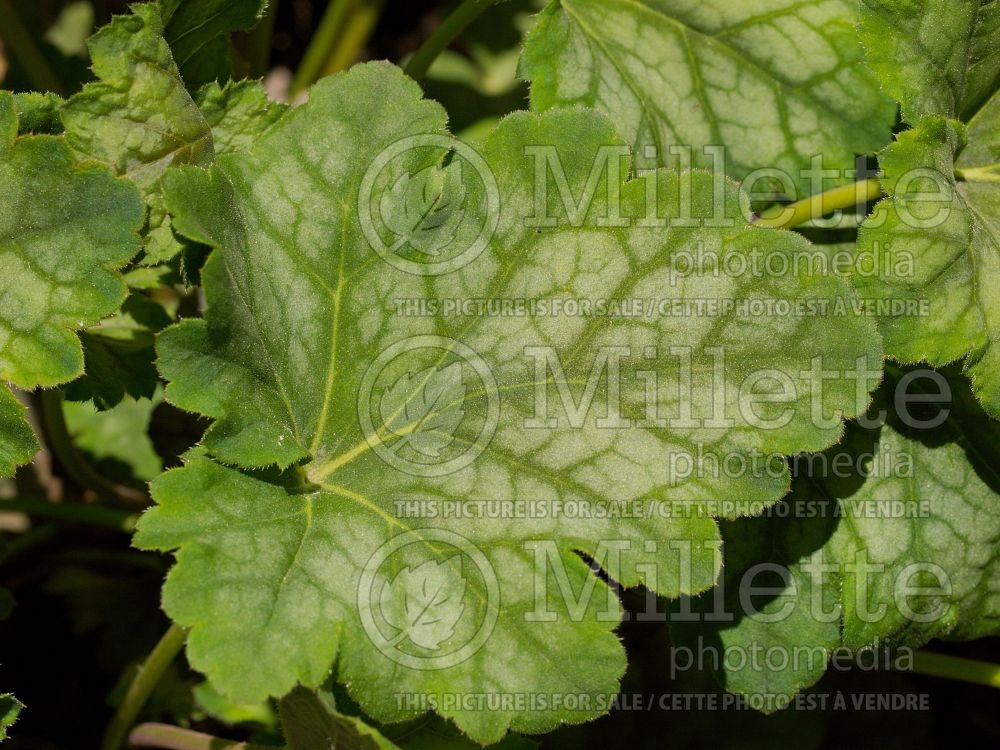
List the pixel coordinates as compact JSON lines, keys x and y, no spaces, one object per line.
{"x":170,"y":737}
{"x":320,"y":46}
{"x":957,"y":668}
{"x":817,"y":206}
{"x":79,"y":469}
{"x":90,"y":514}
{"x":22,"y":47}
{"x":989,"y":173}
{"x":142,"y":685}
{"x":444,"y":35}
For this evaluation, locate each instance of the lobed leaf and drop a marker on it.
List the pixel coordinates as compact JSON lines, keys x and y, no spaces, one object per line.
{"x":774,"y":86}
{"x":300,"y":306}
{"x":886,"y":541}
{"x":936,"y":57}
{"x":59,"y":258}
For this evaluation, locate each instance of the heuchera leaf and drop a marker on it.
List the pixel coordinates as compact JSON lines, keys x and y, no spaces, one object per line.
{"x":239,"y":113}
{"x":138,"y":117}
{"x":300,"y":307}
{"x":198,"y":32}
{"x":118,"y":355}
{"x":869,"y":520}
{"x":312,"y":719}
{"x":59,"y":256}
{"x":117,"y":438}
{"x":936,"y":57}
{"x":943,"y":215}
{"x":10,"y":709}
{"x":775,"y":86}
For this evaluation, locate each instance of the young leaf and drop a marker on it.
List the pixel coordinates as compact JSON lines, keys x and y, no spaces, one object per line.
{"x":59,"y":256}
{"x":888,"y":540}
{"x":138,"y":117}
{"x":943,"y":219}
{"x":311,"y":719}
{"x":301,"y":313}
{"x":10,"y":708}
{"x":936,"y":57}
{"x":117,"y":438}
{"x":239,"y":113}
{"x":198,"y":32}
{"x":118,"y":355}
{"x":775,"y":88}
{"x":17,"y":440}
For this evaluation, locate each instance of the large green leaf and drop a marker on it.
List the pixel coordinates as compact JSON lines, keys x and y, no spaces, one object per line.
{"x":302,"y":311}
{"x":894,"y":508}
{"x":936,"y":57}
{"x":776,"y":85}
{"x":59,"y":257}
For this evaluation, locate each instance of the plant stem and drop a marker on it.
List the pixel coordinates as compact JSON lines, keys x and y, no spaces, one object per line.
{"x":320,"y":46}
{"x":444,"y":35}
{"x":957,"y":668}
{"x":84,"y":513}
{"x":355,"y":35}
{"x":145,"y":680}
{"x":22,"y":48}
{"x":174,"y":738}
{"x":817,"y":206}
{"x":61,"y":442}
{"x":989,"y":173}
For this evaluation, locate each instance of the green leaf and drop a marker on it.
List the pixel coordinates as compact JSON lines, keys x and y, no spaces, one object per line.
{"x":117,"y":439}
{"x":38,"y":112}
{"x":59,"y":256}
{"x":10,"y":708}
{"x":938,"y":238}
{"x":775,"y":86}
{"x":300,"y":307}
{"x":119,"y":356}
{"x":310,"y":720}
{"x":198,"y":32}
{"x":239,"y":113}
{"x":138,"y":117}
{"x":936,"y":57}
{"x":18,"y":443}
{"x":894,"y":507}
